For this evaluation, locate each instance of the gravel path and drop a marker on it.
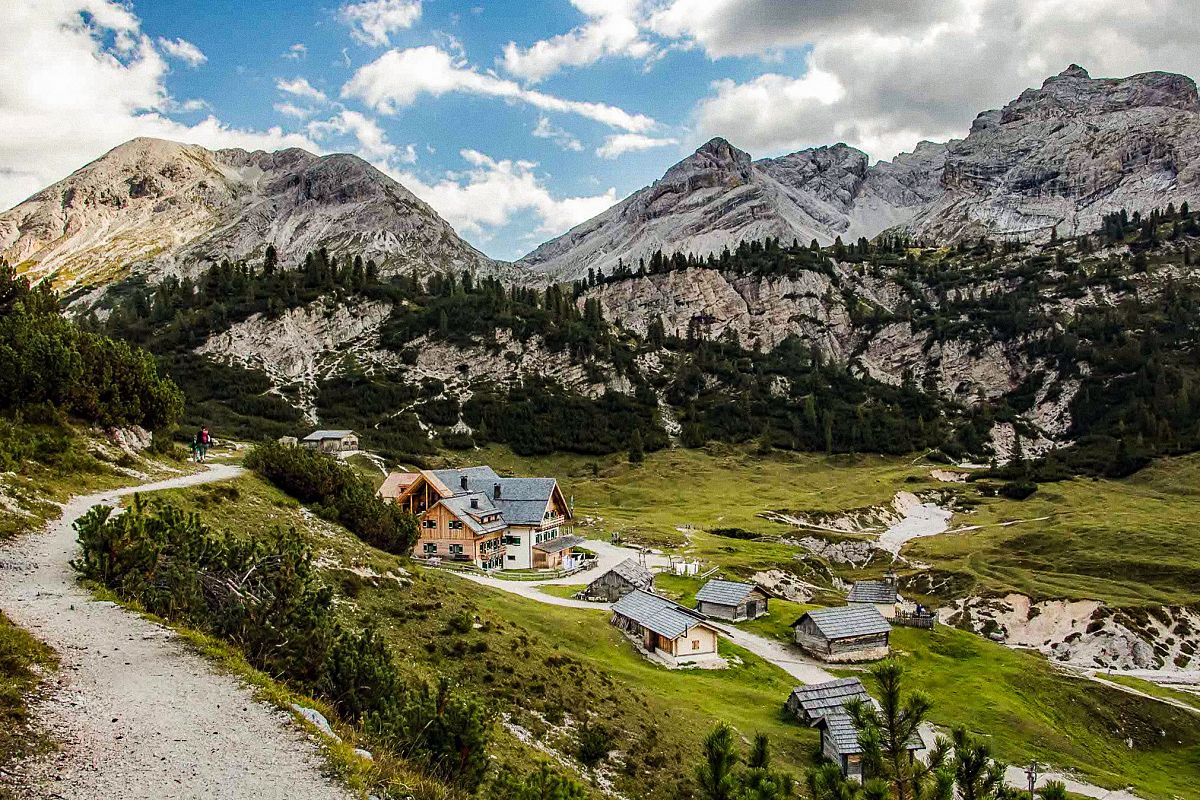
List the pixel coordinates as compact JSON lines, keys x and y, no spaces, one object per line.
{"x":139,"y":715}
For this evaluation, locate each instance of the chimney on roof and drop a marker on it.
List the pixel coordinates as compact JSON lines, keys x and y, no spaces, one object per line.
{"x":496,"y":491}
{"x":463,"y":480}
{"x":474,"y":502}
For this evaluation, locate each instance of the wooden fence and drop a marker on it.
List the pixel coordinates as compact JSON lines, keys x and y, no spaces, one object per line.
{"x":907,"y":620}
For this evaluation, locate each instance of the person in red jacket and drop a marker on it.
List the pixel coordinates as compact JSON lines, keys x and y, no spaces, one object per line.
{"x":203,"y":440}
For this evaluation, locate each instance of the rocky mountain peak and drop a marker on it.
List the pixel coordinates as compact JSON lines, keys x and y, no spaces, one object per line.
{"x":715,"y":161}
{"x":1074,"y":93}
{"x":159,"y":207}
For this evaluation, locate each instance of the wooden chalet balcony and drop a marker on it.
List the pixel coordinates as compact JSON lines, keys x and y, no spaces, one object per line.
{"x":553,"y":522}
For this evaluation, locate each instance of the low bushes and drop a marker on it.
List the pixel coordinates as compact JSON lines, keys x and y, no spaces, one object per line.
{"x":337,"y":493}
{"x":265,"y":595}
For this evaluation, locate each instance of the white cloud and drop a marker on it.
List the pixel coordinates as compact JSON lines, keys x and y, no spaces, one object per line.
{"x":612,"y":29}
{"x":296,"y":52}
{"x":562,"y":138}
{"x":293,"y":110}
{"x":300,"y":87}
{"x":103,"y":86}
{"x":373,"y":21}
{"x":882,"y":79}
{"x":398,"y":77}
{"x":371,"y":140}
{"x":490,"y":193}
{"x":182,"y":50}
{"x":621,"y":143}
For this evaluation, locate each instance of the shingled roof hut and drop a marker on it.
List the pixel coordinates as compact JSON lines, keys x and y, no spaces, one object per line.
{"x":731,"y":600}
{"x":845,"y":633}
{"x":619,"y":581}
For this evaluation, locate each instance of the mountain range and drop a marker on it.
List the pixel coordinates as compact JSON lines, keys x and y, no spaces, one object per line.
{"x":1056,"y":158}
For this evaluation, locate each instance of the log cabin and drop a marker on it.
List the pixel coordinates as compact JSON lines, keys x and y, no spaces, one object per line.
{"x":473,"y":515}
{"x":731,"y":600}
{"x":846,"y":633}
{"x":331,"y":441}
{"x":883,"y":594}
{"x":619,"y":581}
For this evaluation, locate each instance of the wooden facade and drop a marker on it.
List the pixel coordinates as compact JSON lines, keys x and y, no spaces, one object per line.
{"x":465,"y":515}
{"x":857,"y":648}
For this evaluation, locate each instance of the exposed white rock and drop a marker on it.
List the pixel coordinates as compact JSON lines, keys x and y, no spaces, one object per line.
{"x":305,"y":344}
{"x":1086,"y":633}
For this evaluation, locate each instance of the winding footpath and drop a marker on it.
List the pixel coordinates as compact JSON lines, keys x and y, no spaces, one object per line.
{"x":138,"y":714}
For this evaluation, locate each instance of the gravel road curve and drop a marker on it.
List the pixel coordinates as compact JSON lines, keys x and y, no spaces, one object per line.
{"x":138,"y":715}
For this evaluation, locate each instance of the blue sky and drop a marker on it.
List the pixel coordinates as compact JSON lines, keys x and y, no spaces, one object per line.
{"x":517,"y":120}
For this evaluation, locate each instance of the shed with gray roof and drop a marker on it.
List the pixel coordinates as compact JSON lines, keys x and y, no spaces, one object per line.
{"x":809,"y":703}
{"x":846,"y":633}
{"x":879,"y":593}
{"x":676,"y":634}
{"x":619,"y":581}
{"x":331,"y":441}
{"x":731,"y":600}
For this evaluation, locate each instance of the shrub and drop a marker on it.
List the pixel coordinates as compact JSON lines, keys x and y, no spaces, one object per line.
{"x":337,"y":492}
{"x":1018,"y":490}
{"x":593,"y":745}
{"x":265,"y":595}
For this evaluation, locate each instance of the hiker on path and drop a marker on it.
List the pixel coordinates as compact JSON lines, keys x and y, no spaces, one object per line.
{"x":196,"y":447}
{"x":203,"y":440}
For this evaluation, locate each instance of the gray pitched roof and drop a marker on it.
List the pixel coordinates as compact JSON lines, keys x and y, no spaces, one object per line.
{"x":847,"y":622}
{"x":522,"y":501}
{"x":633,"y":572}
{"x":725,"y":593}
{"x":819,"y":699}
{"x":460,"y":505}
{"x":658,"y":614}
{"x":872,"y":592}
{"x":559,"y":543}
{"x":840,"y":729}
{"x":317,"y":436}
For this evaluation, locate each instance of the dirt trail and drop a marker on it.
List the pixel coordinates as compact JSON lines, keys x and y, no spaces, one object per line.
{"x":139,"y":715}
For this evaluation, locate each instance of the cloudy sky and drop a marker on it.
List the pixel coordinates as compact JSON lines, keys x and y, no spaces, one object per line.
{"x":517,"y":119}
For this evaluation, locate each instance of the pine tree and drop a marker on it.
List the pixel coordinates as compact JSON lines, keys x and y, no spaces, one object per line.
{"x":636,"y":454}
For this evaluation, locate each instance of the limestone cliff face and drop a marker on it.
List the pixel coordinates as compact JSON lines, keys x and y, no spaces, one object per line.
{"x":1061,"y":155}
{"x":718,"y":197}
{"x":764,"y":312}
{"x":153,"y":207}
{"x":1067,"y":153}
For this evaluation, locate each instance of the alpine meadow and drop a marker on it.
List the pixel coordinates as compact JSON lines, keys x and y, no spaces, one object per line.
{"x":414,"y":400}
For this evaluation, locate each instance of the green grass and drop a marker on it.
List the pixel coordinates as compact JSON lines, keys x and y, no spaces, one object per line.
{"x":1027,"y":709}
{"x":532,"y":660}
{"x":1155,"y":690}
{"x":563,"y":590}
{"x":24,"y":662}
{"x":1127,"y":542}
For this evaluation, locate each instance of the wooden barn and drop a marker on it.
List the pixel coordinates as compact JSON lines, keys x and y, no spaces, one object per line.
{"x":881,"y":593}
{"x":619,"y":581}
{"x":811,"y":702}
{"x":731,"y":600}
{"x":331,"y":441}
{"x":846,"y":633}
{"x":823,"y":706}
{"x":669,"y":631}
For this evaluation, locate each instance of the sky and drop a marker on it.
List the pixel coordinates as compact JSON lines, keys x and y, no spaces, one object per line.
{"x":517,"y":119}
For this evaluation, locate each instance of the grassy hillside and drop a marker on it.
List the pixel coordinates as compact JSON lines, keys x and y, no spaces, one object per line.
{"x":1130,"y":541}
{"x":546,"y":668}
